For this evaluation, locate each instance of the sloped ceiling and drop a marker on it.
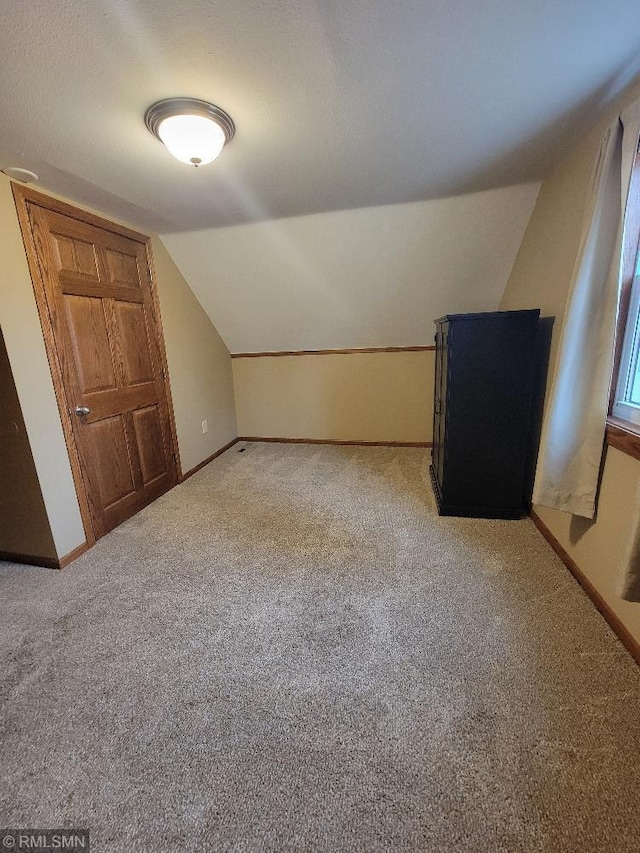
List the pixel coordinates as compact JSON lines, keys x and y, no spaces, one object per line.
{"x":338,"y":104}
{"x":372,"y":277}
{"x":386,"y":155}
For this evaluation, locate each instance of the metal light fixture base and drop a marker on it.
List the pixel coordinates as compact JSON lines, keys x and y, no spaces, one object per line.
{"x":188,"y":106}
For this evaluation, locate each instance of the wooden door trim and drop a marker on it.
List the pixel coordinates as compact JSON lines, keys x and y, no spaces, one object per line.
{"x":23,"y":196}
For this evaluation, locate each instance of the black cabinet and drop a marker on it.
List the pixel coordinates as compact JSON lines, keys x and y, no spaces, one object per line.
{"x":484,"y":383}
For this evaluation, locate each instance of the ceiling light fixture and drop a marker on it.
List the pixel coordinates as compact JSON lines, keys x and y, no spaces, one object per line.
{"x":194,"y":131}
{"x":19,"y":174}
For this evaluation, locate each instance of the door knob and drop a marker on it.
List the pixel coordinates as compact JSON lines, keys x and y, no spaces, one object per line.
{"x":82,"y":411}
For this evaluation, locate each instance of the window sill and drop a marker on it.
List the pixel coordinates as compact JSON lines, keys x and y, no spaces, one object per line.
{"x":624,"y":436}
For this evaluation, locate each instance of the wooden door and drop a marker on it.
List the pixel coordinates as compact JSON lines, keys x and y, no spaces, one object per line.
{"x":107,"y":343}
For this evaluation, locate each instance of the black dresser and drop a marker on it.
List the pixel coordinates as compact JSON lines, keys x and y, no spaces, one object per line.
{"x":484,"y":383}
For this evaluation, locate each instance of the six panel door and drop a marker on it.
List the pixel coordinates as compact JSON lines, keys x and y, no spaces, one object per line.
{"x":107,"y":341}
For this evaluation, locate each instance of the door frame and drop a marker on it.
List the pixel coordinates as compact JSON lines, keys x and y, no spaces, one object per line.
{"x":23,"y":196}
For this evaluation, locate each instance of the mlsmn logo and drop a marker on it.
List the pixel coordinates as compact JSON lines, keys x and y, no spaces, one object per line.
{"x":44,"y":840}
{"x":68,"y":842}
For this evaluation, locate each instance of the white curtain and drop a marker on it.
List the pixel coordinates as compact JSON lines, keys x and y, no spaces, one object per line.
{"x":573,"y":432}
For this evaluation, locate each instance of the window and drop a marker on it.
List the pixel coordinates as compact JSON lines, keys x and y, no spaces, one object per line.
{"x":625,"y":401}
{"x":627,"y":398}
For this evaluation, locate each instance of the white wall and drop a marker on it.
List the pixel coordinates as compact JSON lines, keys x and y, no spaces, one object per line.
{"x":199,"y":367}
{"x":369,"y":277}
{"x":28,"y":358}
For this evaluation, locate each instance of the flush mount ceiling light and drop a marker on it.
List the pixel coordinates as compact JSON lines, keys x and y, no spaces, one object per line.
{"x":194,"y":131}
{"x":19,"y":174}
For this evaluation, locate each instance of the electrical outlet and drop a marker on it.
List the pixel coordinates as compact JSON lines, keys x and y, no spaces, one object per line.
{"x":205,"y":427}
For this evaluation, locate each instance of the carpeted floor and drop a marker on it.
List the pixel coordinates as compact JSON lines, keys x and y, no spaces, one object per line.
{"x":292,"y":651}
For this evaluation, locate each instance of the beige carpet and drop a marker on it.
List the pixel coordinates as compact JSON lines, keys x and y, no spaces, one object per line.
{"x":291,"y":651}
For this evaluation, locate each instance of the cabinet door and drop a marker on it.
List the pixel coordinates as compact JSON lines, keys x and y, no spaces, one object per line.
{"x":435,"y":450}
{"x":442,"y":403}
{"x":439,"y":403}
{"x":490,"y":378}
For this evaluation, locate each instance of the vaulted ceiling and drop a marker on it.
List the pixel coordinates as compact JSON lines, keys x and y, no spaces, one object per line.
{"x":337,"y":104}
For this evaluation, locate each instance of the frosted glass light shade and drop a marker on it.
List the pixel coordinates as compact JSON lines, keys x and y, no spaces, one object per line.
{"x":195,"y":140}
{"x":193,"y":131}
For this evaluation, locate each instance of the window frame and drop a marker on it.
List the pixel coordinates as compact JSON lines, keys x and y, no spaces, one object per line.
{"x":623,"y":424}
{"x":621,"y":407}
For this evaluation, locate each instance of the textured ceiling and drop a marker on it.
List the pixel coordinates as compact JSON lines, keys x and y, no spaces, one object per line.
{"x":337,"y":104}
